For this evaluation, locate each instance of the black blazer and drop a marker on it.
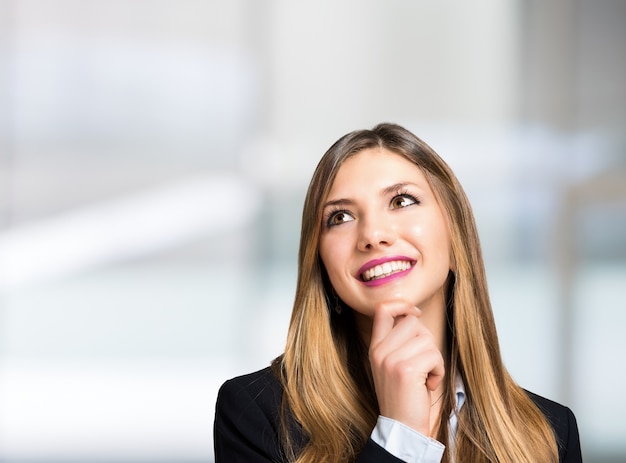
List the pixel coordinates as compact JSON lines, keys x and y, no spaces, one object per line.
{"x":247,"y":421}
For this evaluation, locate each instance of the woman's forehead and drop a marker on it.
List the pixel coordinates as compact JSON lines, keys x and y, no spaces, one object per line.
{"x":376,"y":167}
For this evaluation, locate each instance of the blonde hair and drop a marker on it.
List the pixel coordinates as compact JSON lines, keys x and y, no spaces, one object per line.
{"x":325,"y":370}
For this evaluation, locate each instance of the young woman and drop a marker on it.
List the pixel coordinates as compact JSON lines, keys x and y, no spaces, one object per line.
{"x":392,"y":353}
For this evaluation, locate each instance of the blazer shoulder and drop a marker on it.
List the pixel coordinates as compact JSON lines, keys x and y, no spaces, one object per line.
{"x":260,"y":391}
{"x":565,"y":427}
{"x":557,"y":414}
{"x":261,"y":381}
{"x":247,"y":419}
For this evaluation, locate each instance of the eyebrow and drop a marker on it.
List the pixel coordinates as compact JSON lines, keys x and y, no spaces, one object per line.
{"x":384,"y":192}
{"x":338,"y":202}
{"x":397,"y":186}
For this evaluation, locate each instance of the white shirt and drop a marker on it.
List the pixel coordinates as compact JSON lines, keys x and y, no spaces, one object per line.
{"x":411,"y":446}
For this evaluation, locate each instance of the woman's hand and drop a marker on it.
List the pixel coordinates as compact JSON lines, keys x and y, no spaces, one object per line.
{"x":406,"y":364}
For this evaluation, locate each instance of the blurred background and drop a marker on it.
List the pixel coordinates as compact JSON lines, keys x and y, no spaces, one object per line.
{"x":154,"y":156}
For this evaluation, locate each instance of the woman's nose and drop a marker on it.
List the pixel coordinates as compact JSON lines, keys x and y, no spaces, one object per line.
{"x":375,"y":232}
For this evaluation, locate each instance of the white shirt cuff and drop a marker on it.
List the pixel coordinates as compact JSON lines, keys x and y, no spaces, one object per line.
{"x":405,"y":443}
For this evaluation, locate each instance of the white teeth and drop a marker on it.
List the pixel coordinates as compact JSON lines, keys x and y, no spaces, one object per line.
{"x":386,"y":269}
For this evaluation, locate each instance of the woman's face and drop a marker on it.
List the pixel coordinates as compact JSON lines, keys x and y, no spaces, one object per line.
{"x":384,"y":236}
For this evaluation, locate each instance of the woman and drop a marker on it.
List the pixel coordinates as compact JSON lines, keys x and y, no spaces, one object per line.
{"x":392,"y":353}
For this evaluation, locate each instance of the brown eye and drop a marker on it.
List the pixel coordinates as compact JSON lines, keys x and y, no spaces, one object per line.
{"x":338,"y":218}
{"x":401,"y":201}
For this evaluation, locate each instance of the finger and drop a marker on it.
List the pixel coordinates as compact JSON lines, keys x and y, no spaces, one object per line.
{"x":406,"y":329}
{"x":416,"y":359}
{"x":385,"y":315}
{"x":436,"y":374}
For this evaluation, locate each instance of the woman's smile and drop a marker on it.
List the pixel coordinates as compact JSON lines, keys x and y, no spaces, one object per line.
{"x":380,"y":271}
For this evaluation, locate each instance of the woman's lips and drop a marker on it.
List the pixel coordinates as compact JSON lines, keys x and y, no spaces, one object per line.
{"x":382,"y":269}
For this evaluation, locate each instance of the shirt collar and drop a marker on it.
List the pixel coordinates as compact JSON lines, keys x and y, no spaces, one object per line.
{"x":459,"y":391}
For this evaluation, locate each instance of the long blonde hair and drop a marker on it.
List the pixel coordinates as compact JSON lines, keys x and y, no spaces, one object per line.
{"x":325,"y":370}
